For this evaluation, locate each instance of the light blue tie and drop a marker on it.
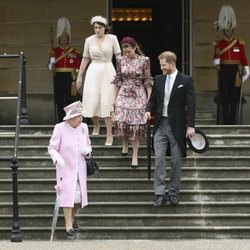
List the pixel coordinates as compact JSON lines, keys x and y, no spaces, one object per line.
{"x":168,"y":83}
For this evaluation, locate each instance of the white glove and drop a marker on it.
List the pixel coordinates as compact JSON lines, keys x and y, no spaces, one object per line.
{"x":50,"y":66}
{"x":245,"y":73}
{"x":51,"y":62}
{"x":86,"y":151}
{"x":216,"y":61}
{"x":60,"y":162}
{"x":52,"y":59}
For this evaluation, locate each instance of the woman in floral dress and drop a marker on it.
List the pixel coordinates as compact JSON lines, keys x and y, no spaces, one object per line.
{"x":133,"y":87}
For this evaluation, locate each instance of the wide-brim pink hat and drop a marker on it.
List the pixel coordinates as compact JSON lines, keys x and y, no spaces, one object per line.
{"x":73,"y":110}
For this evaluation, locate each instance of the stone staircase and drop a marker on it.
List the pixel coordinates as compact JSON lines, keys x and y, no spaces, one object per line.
{"x":214,"y":201}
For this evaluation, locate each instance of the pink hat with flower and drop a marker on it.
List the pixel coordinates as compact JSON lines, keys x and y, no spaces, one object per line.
{"x":73,"y":110}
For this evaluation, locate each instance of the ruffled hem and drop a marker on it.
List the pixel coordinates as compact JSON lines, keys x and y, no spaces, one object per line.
{"x":130,"y":116}
{"x":132,"y":132}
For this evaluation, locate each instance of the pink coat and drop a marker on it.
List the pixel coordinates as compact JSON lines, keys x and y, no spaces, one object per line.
{"x":68,"y":142}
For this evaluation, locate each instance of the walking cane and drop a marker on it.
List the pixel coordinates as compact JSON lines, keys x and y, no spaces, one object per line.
{"x":149,"y":149}
{"x":240,"y":102}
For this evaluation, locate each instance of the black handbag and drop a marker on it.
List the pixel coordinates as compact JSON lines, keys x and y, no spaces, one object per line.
{"x":92,"y":167}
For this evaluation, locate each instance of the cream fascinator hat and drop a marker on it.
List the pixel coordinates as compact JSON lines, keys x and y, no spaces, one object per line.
{"x":98,"y":19}
{"x":73,"y":110}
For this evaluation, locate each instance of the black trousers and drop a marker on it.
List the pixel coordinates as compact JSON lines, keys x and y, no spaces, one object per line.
{"x":62,"y":92}
{"x":229,"y":94}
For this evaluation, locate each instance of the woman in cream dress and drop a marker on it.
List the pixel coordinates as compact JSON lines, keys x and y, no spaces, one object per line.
{"x":98,"y":92}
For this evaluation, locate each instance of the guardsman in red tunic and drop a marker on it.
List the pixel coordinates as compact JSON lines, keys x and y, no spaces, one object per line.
{"x":64,"y":62}
{"x":231,"y":61}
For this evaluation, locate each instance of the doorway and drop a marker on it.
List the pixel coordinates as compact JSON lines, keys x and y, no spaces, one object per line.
{"x":162,"y":32}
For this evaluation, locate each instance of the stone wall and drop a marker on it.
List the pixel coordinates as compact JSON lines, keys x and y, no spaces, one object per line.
{"x":25,"y":26}
{"x":204,"y":13}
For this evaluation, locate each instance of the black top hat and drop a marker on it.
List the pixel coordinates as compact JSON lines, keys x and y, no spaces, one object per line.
{"x":199,"y":142}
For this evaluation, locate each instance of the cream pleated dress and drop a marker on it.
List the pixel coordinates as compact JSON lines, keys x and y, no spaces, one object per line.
{"x":98,"y":92}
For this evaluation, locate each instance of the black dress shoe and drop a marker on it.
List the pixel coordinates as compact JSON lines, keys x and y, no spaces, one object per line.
{"x":160,"y":200}
{"x":71,"y":234}
{"x":134,"y":166}
{"x":75,"y":226}
{"x":124,"y":154}
{"x":173,"y":199}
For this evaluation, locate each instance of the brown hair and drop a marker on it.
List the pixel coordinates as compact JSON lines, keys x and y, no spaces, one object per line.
{"x":169,"y":56}
{"x":107,"y":28}
{"x":137,"y":49}
{"x":130,"y":42}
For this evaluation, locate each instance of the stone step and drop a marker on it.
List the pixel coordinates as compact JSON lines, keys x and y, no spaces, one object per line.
{"x":43,"y":140}
{"x":115,"y":207}
{"x":171,"y":232}
{"x":214,"y":150}
{"x":205,"y":114}
{"x":121,"y":161}
{"x":38,"y":130}
{"x":128,"y":172}
{"x":225,"y":129}
{"x":134,"y":220}
{"x":28,"y":129}
{"x":214,"y":200}
{"x":207,"y":121}
{"x":130,"y":233}
{"x":133,"y":183}
{"x":49,"y":195}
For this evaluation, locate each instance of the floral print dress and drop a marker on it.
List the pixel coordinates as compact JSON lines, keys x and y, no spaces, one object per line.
{"x":133,"y":77}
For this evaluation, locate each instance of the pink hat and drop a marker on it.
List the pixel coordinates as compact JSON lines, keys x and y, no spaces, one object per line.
{"x":73,"y":110}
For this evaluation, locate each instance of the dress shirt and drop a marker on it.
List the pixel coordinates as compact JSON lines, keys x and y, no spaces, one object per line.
{"x":168,"y":88}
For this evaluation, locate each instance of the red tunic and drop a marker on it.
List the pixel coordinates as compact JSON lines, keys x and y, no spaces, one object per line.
{"x":235,"y":53}
{"x":71,"y":60}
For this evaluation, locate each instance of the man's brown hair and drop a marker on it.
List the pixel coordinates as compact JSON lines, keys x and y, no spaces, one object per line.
{"x":169,"y":56}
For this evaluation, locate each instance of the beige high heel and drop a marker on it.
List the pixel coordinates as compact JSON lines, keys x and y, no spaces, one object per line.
{"x":109,"y":141}
{"x":96,"y":130}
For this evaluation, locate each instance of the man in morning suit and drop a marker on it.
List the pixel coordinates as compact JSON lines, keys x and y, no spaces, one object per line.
{"x":173,"y":103}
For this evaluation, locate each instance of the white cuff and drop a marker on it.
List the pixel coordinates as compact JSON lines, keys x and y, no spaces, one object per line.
{"x":216,"y":61}
{"x":86,"y":151}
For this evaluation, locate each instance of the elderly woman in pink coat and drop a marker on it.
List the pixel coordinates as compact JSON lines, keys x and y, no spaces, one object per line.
{"x":68,"y":148}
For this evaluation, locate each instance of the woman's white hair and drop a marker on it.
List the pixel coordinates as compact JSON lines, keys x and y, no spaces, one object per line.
{"x":227,"y":18}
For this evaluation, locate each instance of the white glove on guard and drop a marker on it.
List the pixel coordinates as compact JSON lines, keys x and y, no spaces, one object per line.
{"x":51,"y":62}
{"x":216,"y":61}
{"x":246,"y":73}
